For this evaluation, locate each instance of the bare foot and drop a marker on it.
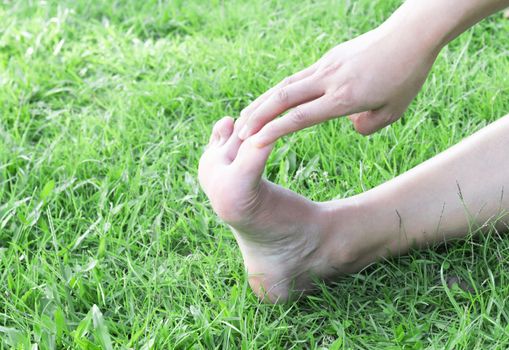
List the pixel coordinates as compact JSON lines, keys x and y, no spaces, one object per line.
{"x":284,"y":238}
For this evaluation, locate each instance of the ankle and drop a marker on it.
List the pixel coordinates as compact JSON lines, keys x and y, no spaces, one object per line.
{"x":350,"y":238}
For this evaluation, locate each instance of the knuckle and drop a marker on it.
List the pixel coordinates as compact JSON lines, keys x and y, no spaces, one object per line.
{"x":298,"y":116}
{"x":287,"y":81}
{"x":344,"y":96}
{"x":343,"y":93}
{"x":328,"y":69}
{"x":282,"y":96}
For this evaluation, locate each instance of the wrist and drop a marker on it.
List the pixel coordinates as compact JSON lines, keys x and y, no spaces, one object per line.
{"x":415,"y":25}
{"x":434,"y":23}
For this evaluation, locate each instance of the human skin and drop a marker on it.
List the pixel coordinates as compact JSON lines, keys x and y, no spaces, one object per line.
{"x":288,"y":242}
{"x":372,"y":78}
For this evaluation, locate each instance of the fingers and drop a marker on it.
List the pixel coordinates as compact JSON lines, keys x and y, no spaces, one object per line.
{"x":301,"y":117}
{"x":368,"y":122}
{"x":246,"y":113}
{"x":280,"y":101}
{"x":317,"y":111}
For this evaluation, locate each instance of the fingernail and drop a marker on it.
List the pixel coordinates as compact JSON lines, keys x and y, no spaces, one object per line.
{"x":243,"y":133}
{"x":258,"y":141}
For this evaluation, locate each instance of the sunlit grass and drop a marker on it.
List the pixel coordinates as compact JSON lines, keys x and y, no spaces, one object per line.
{"x":107,"y":241}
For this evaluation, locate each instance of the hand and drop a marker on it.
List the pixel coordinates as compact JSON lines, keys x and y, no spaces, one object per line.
{"x":373,"y":78}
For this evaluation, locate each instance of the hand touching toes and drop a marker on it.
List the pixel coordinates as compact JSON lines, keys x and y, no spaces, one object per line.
{"x":230,"y":172}
{"x":283,"y":236}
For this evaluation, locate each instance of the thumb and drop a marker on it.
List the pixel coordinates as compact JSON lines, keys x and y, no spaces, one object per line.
{"x":366,"y":123}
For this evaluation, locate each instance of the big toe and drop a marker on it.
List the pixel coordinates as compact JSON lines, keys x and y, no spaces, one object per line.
{"x":251,"y":159}
{"x":221,"y":132}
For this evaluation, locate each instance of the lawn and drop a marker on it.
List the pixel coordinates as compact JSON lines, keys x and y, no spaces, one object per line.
{"x":106,"y":240}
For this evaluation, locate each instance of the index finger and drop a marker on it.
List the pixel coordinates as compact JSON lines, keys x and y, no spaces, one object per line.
{"x":246,"y":112}
{"x":285,"y":98}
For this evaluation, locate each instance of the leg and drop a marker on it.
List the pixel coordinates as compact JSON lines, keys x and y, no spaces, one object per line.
{"x":287,"y":240}
{"x":439,"y":199}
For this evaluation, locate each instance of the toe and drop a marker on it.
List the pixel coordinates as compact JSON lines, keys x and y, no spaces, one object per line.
{"x":231,"y":146}
{"x":224,"y":129}
{"x":221,"y":131}
{"x":251,"y":159}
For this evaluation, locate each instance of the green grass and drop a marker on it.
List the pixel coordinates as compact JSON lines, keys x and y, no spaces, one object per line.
{"x":106,"y":240}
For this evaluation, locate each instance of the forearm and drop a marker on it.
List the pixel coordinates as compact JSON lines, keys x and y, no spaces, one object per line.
{"x":434,"y":23}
